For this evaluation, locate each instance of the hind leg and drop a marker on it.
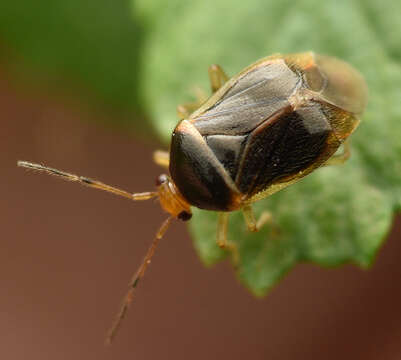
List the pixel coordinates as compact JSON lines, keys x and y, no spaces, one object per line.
{"x":251,"y":222}
{"x":339,"y":159}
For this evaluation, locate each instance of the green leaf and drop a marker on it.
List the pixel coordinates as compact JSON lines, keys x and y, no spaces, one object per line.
{"x":154,"y":54}
{"x":328,"y":218}
{"x":335,"y":215}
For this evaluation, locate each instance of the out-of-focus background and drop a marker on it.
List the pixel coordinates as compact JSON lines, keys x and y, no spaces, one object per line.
{"x":70,"y":75}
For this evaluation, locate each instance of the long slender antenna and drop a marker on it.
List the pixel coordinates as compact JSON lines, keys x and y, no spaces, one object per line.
{"x":136,"y":196}
{"x":129,"y":297}
{"x":87,"y":182}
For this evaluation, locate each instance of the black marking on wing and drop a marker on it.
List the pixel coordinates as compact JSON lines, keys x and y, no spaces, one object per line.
{"x":228,"y":150}
{"x":283,"y":148}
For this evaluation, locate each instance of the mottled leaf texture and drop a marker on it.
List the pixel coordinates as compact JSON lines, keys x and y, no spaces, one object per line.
{"x":337,"y":214}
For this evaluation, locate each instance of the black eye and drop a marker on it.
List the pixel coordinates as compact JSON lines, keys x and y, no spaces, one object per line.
{"x":184,"y":215}
{"x":161,"y":179}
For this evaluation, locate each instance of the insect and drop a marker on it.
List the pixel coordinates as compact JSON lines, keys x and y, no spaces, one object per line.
{"x":260,"y":131}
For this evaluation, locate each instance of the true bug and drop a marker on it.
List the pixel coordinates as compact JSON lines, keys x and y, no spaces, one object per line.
{"x":262,"y":130}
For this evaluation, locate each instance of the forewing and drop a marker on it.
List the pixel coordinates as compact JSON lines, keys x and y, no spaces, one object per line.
{"x":253,"y":98}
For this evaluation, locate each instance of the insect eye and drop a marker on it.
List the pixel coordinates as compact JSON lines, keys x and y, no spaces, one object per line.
{"x":184,"y":215}
{"x":161,"y":179}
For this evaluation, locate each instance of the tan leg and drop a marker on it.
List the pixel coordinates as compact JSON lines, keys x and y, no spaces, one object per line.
{"x":222,"y":241}
{"x":185,"y":110}
{"x":251,"y":223}
{"x":161,"y":158}
{"x":340,"y":158}
{"x":222,"y":225}
{"x":217,"y":77}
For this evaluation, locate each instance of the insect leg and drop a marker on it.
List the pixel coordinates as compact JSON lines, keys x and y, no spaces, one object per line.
{"x":222,"y":225}
{"x":251,"y":223}
{"x":186,"y":109}
{"x":87,"y":182}
{"x":217,"y":77}
{"x":222,"y":241}
{"x":161,"y":158}
{"x":340,"y":158}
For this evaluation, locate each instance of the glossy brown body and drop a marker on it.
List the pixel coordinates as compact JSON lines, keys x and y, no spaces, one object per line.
{"x":267,"y":127}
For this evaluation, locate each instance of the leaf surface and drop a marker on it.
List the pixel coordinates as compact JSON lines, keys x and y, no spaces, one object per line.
{"x":335,"y":215}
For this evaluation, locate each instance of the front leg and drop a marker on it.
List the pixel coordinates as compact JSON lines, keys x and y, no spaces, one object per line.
{"x":161,"y":158}
{"x":217,"y":77}
{"x":186,"y":109}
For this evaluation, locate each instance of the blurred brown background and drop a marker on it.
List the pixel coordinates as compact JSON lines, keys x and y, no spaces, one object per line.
{"x":70,"y":87}
{"x":68,"y":253}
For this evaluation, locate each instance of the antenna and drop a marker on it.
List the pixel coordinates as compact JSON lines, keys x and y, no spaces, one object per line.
{"x":129,"y":297}
{"x":136,"y":196}
{"x":87,"y":182}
